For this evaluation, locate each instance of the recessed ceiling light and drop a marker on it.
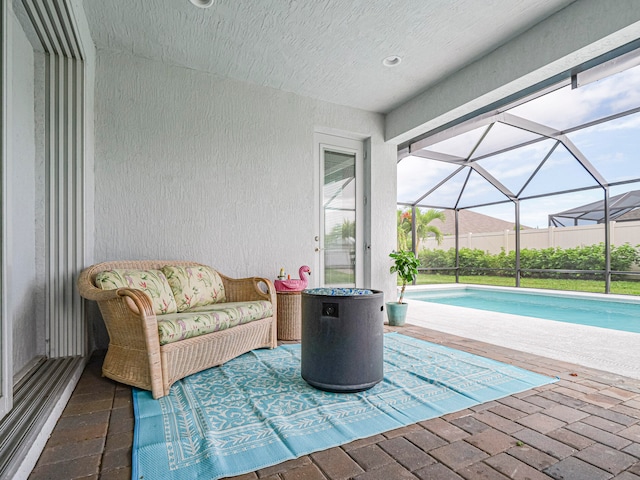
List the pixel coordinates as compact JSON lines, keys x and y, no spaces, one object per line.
{"x":202,"y":3}
{"x":392,"y":61}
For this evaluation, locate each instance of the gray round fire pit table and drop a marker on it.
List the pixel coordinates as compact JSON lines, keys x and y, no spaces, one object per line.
{"x":342,"y":338}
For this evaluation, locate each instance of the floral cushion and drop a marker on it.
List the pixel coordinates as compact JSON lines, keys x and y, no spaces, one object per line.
{"x":194,"y":286}
{"x":152,"y":282}
{"x":182,"y":325}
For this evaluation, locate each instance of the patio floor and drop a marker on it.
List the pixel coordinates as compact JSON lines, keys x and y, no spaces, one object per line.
{"x":585,"y":426}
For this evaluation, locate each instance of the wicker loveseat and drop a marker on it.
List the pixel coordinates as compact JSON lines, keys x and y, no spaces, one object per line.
{"x":152,"y":342}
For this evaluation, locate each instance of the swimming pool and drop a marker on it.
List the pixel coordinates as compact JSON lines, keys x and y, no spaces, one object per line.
{"x":596,"y":311}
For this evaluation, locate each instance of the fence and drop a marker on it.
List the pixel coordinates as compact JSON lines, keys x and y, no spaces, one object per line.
{"x":539,"y":238}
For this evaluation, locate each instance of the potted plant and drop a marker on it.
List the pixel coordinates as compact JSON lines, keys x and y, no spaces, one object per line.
{"x":405,"y":264}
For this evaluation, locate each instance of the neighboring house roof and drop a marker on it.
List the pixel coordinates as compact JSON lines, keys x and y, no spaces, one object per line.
{"x":629,"y":216}
{"x":472,"y":222}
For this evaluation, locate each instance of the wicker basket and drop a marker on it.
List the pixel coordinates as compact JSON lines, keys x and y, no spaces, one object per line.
{"x":289,"y":315}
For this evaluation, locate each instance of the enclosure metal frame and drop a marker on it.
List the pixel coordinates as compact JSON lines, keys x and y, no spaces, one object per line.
{"x":419,"y":147}
{"x":619,"y":207}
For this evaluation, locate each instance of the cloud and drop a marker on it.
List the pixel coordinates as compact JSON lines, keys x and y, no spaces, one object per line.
{"x":460,"y":145}
{"x":518,"y":163}
{"x":503,"y":136}
{"x":565,"y":108}
{"x":416,"y":176}
{"x":612,"y":147}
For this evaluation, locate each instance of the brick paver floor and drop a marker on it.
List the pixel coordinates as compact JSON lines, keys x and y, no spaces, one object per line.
{"x":586,"y":426}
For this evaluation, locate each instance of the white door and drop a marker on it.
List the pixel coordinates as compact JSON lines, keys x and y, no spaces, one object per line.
{"x":340,"y":242}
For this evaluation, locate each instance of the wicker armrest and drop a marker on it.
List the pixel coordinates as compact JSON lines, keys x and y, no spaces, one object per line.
{"x":125,"y":310}
{"x":248,"y":289}
{"x":134,"y":345}
{"x":87,"y":288}
{"x":138,"y":301}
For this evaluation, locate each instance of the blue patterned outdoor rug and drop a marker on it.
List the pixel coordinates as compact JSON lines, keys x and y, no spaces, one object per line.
{"x":256,"y":410}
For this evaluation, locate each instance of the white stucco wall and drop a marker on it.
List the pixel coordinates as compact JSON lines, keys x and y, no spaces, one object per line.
{"x":192,"y":166}
{"x":22,"y":285}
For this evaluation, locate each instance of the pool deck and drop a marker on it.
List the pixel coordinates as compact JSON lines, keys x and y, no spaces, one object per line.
{"x":606,"y":349}
{"x":586,"y":426}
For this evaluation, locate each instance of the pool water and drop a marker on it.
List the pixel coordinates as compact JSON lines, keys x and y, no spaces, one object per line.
{"x":604,"y":313}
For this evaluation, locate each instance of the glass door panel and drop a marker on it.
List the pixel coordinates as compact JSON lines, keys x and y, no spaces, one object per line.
{"x":339,"y":212}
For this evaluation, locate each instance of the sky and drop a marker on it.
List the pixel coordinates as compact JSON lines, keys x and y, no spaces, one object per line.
{"x":610,"y":147}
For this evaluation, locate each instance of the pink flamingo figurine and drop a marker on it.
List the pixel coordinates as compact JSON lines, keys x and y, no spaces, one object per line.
{"x":293,"y":284}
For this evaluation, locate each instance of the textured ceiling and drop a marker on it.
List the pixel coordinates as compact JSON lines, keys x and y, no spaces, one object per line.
{"x":330,"y":50}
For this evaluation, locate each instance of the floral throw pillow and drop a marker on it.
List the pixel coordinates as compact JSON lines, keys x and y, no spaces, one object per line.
{"x":194,"y":286}
{"x":152,"y":282}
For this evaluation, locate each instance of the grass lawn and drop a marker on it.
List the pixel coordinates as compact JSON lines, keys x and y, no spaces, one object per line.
{"x":596,"y":286}
{"x":336,"y":276}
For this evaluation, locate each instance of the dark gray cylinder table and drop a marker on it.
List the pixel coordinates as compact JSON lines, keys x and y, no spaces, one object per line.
{"x":342,"y":338}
